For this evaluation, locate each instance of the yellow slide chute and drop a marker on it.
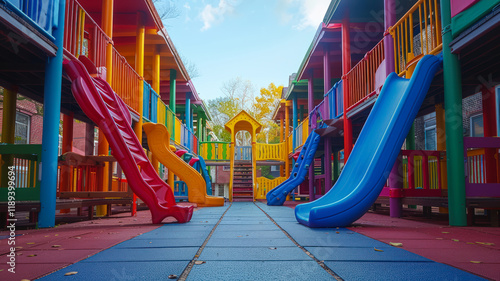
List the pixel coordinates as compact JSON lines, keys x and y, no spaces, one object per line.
{"x":159,"y":144}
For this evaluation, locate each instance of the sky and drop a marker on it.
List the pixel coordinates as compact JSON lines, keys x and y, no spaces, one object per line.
{"x":263,"y":41}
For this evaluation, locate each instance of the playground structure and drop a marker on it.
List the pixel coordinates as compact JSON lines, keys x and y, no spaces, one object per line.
{"x":140,"y":63}
{"x":142,"y":66}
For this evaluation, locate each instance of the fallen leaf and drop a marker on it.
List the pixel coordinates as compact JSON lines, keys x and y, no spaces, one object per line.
{"x":1,"y":270}
{"x":456,"y":240}
{"x":475,"y":261}
{"x":471,"y":243}
{"x":30,"y":243}
{"x":445,"y":232}
{"x":19,"y":247}
{"x":396,"y":244}
{"x":56,"y":234}
{"x":56,"y":246}
{"x":196,"y":256}
{"x":272,"y":248}
{"x":19,"y":254}
{"x":199,"y":262}
{"x":46,"y":236}
{"x":378,"y":250}
{"x":71,"y":273}
{"x":337,"y":232}
{"x":486,"y":243}
{"x":30,"y":256}
{"x":172,"y":276}
{"x":25,"y":280}
{"x":78,"y":237}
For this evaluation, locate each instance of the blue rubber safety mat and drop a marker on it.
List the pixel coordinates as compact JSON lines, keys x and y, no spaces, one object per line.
{"x":254,"y":254}
{"x":397,"y":271}
{"x":144,"y":254}
{"x":162,"y":243}
{"x":258,"y":270}
{"x":249,"y":242}
{"x":140,"y":270}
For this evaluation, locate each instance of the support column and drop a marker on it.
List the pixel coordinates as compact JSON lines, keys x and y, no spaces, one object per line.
{"x":173,"y":77}
{"x":287,"y":129}
{"x":188,"y":119}
{"x":346,"y":67}
{"x":282,"y":140}
{"x":67,"y":146}
{"x":294,"y":121}
{"x":310,"y":108}
{"x":454,"y":125}
{"x":328,"y":164}
{"x":156,"y":88}
{"x":327,"y":83}
{"x":490,"y":130}
{"x":8,"y":128}
{"x":102,"y":145}
{"x":327,"y":141}
{"x":50,"y":138}
{"x":139,"y":68}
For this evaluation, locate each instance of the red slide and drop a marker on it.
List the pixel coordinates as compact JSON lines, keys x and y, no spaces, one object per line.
{"x":103,"y":106}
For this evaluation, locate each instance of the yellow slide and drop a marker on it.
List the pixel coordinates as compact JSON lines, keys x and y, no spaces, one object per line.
{"x":159,"y":144}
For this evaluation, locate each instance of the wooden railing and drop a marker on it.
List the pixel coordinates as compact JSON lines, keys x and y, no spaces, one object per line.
{"x":271,"y":152}
{"x":32,"y":12}
{"x":421,"y":174}
{"x":417,"y":33}
{"x":125,"y":81}
{"x":243,"y":153}
{"x":151,"y":104}
{"x":481,"y":160}
{"x":422,"y":171}
{"x":264,"y":185}
{"x":214,"y":150}
{"x":21,"y":166}
{"x":301,"y":133}
{"x":83,"y":36}
{"x":335,"y":98}
{"x":361,"y":78}
{"x":82,"y":177}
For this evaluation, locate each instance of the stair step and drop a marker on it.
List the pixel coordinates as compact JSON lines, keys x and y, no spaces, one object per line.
{"x":243,"y":199}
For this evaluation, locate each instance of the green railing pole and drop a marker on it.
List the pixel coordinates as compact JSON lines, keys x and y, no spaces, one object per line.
{"x":454,"y":125}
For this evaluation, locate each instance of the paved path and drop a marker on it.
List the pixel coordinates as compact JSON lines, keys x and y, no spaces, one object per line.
{"x":253,"y":241}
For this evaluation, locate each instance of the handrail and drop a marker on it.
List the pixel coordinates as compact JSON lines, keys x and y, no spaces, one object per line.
{"x":78,"y":26}
{"x":34,"y":13}
{"x":264,"y":185}
{"x":422,"y":19}
{"x":301,"y":133}
{"x":361,"y":78}
{"x":271,"y":151}
{"x":480,"y":155}
{"x":25,"y":161}
{"x":125,"y":81}
{"x":214,"y":150}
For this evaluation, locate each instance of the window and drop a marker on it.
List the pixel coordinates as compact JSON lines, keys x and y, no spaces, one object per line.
{"x":476,"y":126}
{"x":430,"y":131}
{"x":22,"y":133}
{"x":226,"y":168}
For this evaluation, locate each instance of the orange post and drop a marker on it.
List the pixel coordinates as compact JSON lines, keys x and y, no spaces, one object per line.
{"x":67,"y":146}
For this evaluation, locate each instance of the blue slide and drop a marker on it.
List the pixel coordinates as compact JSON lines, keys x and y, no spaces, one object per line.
{"x":206,"y":176}
{"x":375,"y":152}
{"x":277,"y":196}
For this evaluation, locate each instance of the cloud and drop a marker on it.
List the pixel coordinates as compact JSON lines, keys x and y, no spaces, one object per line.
{"x":186,"y":6}
{"x":306,"y":13}
{"x":212,"y":15}
{"x":312,"y":13}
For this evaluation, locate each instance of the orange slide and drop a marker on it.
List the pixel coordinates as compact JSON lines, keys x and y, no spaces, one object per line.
{"x":159,"y":144}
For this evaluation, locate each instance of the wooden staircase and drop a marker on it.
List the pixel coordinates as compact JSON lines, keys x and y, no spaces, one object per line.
{"x":242,"y":181}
